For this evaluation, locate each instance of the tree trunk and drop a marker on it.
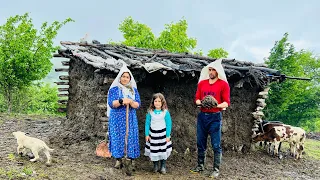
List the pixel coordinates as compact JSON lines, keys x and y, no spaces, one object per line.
{"x":8,"y":97}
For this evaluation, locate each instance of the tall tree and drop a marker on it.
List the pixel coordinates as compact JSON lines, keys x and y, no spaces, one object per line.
{"x":294,"y":102}
{"x":136,"y":34}
{"x":25,"y":52}
{"x":218,"y":53}
{"x":173,"y":38}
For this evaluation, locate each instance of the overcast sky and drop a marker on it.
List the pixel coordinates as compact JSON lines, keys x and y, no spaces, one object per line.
{"x":247,"y":29}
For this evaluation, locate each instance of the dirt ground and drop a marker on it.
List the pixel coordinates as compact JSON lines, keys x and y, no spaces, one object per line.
{"x":78,"y":161}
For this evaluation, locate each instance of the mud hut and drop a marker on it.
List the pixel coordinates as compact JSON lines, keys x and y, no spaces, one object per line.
{"x":92,"y":67}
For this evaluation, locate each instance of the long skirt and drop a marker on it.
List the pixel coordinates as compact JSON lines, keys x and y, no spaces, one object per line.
{"x":117,"y":133}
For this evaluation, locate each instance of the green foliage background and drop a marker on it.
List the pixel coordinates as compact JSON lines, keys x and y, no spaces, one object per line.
{"x":294,"y":102}
{"x":39,"y":98}
{"x":25,"y":53}
{"x":173,"y":38}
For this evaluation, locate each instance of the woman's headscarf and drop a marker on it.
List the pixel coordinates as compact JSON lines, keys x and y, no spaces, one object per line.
{"x":127,"y":89}
{"x":217,"y":66}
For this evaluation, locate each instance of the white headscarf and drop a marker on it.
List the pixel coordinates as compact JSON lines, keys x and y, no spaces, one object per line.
{"x":127,"y":90}
{"x":217,"y":66}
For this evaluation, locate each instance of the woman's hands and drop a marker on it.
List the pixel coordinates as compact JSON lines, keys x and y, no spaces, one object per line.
{"x":126,"y":101}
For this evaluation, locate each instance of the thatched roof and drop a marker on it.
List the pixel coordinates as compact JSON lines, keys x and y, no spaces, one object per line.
{"x":110,"y":57}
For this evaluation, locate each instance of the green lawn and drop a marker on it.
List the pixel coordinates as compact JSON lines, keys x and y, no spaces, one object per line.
{"x":312,"y":148}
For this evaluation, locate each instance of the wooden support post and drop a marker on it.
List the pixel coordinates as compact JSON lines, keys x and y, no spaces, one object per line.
{"x":62,"y":83}
{"x":65,"y":63}
{"x":62,"y":69}
{"x":64,"y":77}
{"x":63,"y":95}
{"x":63,"y":101}
{"x":104,"y":119}
{"x":62,"y":109}
{"x":57,"y":55}
{"x":63,"y":89}
{"x":102,"y":106}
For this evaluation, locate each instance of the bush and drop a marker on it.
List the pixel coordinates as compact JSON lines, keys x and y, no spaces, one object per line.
{"x":39,"y":98}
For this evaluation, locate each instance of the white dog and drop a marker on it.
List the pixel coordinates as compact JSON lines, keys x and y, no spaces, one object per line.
{"x":34,"y":144}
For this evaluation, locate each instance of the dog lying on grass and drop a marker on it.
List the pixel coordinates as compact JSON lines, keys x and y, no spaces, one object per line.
{"x":34,"y":144}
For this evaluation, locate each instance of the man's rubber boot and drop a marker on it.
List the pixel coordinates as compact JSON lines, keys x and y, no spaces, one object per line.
{"x":216,"y":165}
{"x":200,"y":167}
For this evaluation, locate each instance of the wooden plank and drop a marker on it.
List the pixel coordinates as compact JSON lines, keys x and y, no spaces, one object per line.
{"x":62,"y":83}
{"x":57,"y":55}
{"x":63,"y":95}
{"x":62,"y":69}
{"x":62,"y":109}
{"x":63,"y":89}
{"x":64,"y":77}
{"x":62,"y":101}
{"x":104,"y":119}
{"x":102,"y":96}
{"x":102,"y":106}
{"x":65,"y":63}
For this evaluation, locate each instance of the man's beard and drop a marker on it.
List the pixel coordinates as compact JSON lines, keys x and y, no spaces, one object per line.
{"x":212,"y":77}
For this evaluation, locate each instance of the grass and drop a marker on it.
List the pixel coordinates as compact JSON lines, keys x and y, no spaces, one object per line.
{"x":13,"y":174}
{"x":16,"y":173}
{"x":312,"y":148}
{"x":27,"y":171}
{"x":2,"y":172}
{"x":33,"y":116}
{"x":11,"y":157}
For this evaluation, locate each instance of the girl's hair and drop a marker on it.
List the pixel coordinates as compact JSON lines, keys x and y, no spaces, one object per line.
{"x":163,"y":102}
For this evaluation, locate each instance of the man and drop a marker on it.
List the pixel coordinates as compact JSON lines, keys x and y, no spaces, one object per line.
{"x":212,"y":82}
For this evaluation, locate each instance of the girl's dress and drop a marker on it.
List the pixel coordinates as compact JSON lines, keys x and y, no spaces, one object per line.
{"x":158,"y":127}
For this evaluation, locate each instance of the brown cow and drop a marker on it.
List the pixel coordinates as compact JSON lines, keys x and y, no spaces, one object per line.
{"x":295,"y":136}
{"x":266,"y":126}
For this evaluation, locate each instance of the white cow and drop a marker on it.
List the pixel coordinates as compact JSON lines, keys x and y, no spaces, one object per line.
{"x":295,"y":136}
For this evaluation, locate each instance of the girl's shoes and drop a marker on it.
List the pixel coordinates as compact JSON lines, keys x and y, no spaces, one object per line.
{"x":155,"y":166}
{"x":163,"y":167}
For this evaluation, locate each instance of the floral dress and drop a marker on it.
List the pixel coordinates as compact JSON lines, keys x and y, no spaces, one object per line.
{"x":117,"y":126}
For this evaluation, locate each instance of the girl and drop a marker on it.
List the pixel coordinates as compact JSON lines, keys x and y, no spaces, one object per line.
{"x":157,"y":131}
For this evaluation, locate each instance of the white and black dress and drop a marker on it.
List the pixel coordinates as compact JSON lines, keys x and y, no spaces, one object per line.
{"x":158,"y":128}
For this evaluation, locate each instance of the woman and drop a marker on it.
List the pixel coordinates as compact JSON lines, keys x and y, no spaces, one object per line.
{"x":123,"y":92}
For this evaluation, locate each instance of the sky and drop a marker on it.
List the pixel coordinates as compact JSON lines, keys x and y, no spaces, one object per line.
{"x":246,"y":29}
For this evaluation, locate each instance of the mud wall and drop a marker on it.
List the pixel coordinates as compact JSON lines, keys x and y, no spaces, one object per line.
{"x":83,"y":113}
{"x":237,"y":119}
